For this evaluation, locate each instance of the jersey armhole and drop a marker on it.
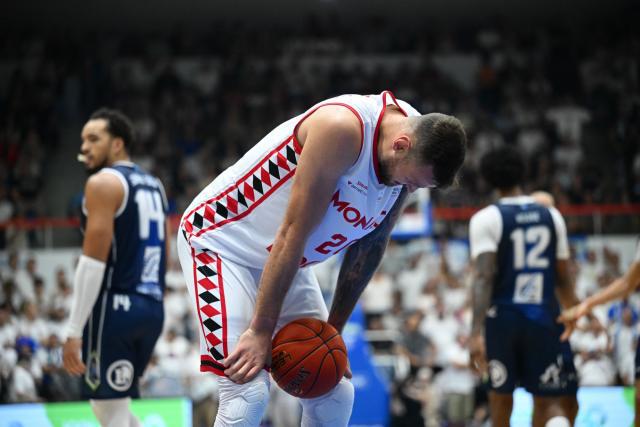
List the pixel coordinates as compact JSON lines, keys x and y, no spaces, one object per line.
{"x":163,"y":194}
{"x":125,"y":186}
{"x":309,"y":113}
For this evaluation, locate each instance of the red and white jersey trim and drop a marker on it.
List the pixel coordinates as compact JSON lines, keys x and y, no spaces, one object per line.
{"x":238,"y":214}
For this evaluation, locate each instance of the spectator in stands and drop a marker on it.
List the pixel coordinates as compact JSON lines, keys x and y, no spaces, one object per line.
{"x":61,"y":300}
{"x":40,"y":297}
{"x":10,"y":298}
{"x":22,"y":386}
{"x":57,"y":384}
{"x":414,"y":345}
{"x":8,"y":328}
{"x":456,"y":382}
{"x":377,"y":297}
{"x":623,"y":330}
{"x":19,"y":276}
{"x":32,"y":325}
{"x":588,"y":271}
{"x":592,"y":348}
{"x":441,"y":328}
{"x":411,"y":280}
{"x":7,"y":210}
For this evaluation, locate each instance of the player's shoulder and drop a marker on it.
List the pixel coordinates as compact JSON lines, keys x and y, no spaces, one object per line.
{"x":105,"y":180}
{"x":557,"y":218}
{"x":104,"y":190}
{"x":109,"y":183}
{"x":334,"y":123}
{"x":489,"y":212}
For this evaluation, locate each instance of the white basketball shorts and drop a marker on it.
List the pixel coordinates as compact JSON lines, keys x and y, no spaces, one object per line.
{"x":223,"y":294}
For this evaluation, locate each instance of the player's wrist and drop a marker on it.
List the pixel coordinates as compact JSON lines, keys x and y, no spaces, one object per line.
{"x":71,"y":332}
{"x":477,"y":332}
{"x":587,"y":305}
{"x":263,"y":325}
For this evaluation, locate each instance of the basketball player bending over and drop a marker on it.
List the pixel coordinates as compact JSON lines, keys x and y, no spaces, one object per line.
{"x":332,"y":178}
{"x":520,"y":254}
{"x":117,"y":310}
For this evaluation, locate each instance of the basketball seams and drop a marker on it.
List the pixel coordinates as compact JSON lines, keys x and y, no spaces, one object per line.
{"x":302,"y":359}
{"x":295,"y":340}
{"x":335,"y":365}
{"x":297,"y":322}
{"x":321,"y":364}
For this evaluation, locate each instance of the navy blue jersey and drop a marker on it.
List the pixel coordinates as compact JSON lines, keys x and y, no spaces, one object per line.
{"x":136,"y":263}
{"x":526,"y":257}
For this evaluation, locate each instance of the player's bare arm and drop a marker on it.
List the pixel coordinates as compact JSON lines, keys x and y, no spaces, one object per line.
{"x":619,"y":288}
{"x":565,"y":292}
{"x":484,"y":273}
{"x":103,"y":195}
{"x":331,"y":144}
{"x":360,"y":262}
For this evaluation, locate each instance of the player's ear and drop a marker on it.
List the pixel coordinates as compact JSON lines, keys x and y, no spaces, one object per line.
{"x":402,"y":144}
{"x":118,"y":145}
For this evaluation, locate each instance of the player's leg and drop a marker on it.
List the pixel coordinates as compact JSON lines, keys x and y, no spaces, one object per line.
{"x":284,"y":409}
{"x":223,"y":295}
{"x":114,"y":412}
{"x":111,"y":354}
{"x":304,"y":299}
{"x":502,"y":336}
{"x":242,"y":405}
{"x":554,"y":411}
{"x":550,"y":376}
{"x":329,"y":410}
{"x":500,"y":407}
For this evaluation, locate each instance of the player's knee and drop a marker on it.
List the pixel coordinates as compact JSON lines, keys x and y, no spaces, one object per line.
{"x":242,"y":405}
{"x":558,"y":422}
{"x":330,"y":410}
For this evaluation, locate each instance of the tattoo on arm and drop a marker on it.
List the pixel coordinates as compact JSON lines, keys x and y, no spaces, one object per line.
{"x":360,"y":262}
{"x":485,"y":267}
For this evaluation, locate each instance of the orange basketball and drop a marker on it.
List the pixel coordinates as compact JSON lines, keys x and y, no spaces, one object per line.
{"x":308,"y":358}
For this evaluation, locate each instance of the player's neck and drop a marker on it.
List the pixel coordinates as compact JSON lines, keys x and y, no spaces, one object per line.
{"x":120,"y":158}
{"x":392,"y":123}
{"x":511,"y":192}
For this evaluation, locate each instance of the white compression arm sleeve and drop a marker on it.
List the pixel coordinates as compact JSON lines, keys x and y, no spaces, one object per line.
{"x":87,"y":282}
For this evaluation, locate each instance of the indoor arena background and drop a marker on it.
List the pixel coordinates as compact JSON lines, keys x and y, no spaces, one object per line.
{"x":204,"y":80}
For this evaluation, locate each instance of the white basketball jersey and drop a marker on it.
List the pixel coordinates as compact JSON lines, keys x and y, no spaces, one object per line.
{"x":238,"y":214}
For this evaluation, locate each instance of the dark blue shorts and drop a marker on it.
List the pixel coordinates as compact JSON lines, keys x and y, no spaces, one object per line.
{"x":117,"y":344}
{"x":522,"y":352}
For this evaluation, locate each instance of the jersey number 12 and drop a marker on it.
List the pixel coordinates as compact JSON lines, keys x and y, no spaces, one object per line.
{"x":538,"y":237}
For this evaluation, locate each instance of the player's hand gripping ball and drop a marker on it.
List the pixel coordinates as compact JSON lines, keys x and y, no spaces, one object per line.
{"x":308,"y":358}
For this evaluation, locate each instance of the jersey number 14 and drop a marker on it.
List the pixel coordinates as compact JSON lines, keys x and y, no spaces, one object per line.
{"x":150,"y":209}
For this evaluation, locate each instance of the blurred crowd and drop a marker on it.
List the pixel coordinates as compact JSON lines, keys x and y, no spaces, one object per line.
{"x":569,"y":97}
{"x":418,"y":314}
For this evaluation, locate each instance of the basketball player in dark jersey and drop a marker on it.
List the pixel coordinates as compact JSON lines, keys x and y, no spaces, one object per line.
{"x":521,"y":258}
{"x":117,"y":310}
